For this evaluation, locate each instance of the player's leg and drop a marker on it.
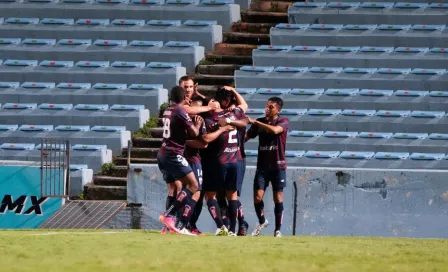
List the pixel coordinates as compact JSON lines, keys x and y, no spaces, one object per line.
{"x":278,"y":180}
{"x":243,"y":226}
{"x":196,"y":213}
{"x":212,"y":183}
{"x":260,"y":184}
{"x":231,"y":187}
{"x":189,"y":210}
{"x":223,"y":205}
{"x":174,"y":186}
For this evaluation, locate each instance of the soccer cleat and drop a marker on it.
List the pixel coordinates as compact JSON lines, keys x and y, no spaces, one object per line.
{"x":169,"y":222}
{"x":164,"y":230}
{"x":259,"y":227}
{"x":277,"y":233}
{"x":184,"y":231}
{"x":195,"y":231}
{"x":242,"y":231}
{"x":223,"y":231}
{"x":231,"y":234}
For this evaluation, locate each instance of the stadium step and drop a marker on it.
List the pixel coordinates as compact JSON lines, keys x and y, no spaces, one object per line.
{"x":141,"y":152}
{"x":270,"y":6}
{"x":249,"y":38}
{"x":123,"y":161}
{"x":213,"y":58}
{"x":260,"y":28}
{"x":217,"y":69}
{"x":157,"y":132}
{"x":110,"y":181}
{"x":101,"y":192}
{"x":221,"y":80}
{"x":147,"y":142}
{"x":264,"y":17}
{"x":234,"y":49}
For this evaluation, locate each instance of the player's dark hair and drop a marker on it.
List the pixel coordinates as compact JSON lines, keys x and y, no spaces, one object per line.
{"x":196,"y":98}
{"x":206,"y":100}
{"x":222,"y":94}
{"x":177,"y":94}
{"x":186,"y":78}
{"x":277,"y":100}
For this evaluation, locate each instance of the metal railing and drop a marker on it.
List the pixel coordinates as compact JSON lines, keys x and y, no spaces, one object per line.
{"x":55,"y":168}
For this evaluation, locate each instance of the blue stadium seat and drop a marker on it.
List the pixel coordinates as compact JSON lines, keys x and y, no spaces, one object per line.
{"x":349,"y":112}
{"x":8,"y":127}
{"x":182,"y":2}
{"x":36,"y":128}
{"x":39,"y":41}
{"x":164,"y":22}
{"x":110,"y":86}
{"x":322,"y":154}
{"x":391,"y":155}
{"x":17,"y":146}
{"x":299,"y":133}
{"x":427,"y":156}
{"x":410,"y":135}
{"x":108,"y":128}
{"x":324,"y":112}
{"x":164,"y":64}
{"x":428,"y":114}
{"x":244,"y":90}
{"x":127,"y":107}
{"x":47,"y":106}
{"x":19,"y":106}
{"x":128,"y":22}
{"x":412,"y":93}
{"x":92,"y":64}
{"x":110,"y":42}
{"x":369,"y":92}
{"x":307,"y":91}
{"x":128,"y":64}
{"x":30,"y":63}
{"x":146,"y":43}
{"x":438,"y":136}
{"x":72,"y":128}
{"x":56,"y":63}
{"x":356,"y":155}
{"x":393,"y":113}
{"x":79,"y":147}
{"x":74,"y":86}
{"x":91,"y":107}
{"x":266,"y":91}
{"x":377,"y":135}
{"x":145,"y":86}
{"x":93,"y":22}
{"x":57,"y":21}
{"x":75,"y":42}
{"x":38,"y":85}
{"x":9,"y":85}
{"x":7,"y":41}
{"x":342,"y":92}
{"x":181,"y":44}
{"x":24,"y":21}
{"x":340,"y":134}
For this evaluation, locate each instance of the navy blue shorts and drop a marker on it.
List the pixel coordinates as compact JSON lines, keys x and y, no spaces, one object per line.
{"x":241,"y":175}
{"x":173,"y":167}
{"x":217,"y":177}
{"x":197,"y":170}
{"x":276,"y":177}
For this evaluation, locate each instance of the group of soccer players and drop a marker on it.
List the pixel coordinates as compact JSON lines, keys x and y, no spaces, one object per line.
{"x":202,"y":156}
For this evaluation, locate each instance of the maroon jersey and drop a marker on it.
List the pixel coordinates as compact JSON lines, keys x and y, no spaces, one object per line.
{"x":192,"y":154}
{"x":175,"y":124}
{"x":241,"y":132}
{"x":271,"y":147}
{"x":225,"y":148}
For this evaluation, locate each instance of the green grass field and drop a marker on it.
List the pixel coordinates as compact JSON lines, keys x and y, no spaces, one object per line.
{"x":149,"y":251}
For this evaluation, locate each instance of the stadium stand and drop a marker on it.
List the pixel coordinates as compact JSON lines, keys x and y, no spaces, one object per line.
{"x":386,"y":35}
{"x":207,"y":33}
{"x":152,"y":96}
{"x":114,"y":137}
{"x":222,"y":11}
{"x":187,"y":53}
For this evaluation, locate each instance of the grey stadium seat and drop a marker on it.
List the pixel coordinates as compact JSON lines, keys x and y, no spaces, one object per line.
{"x":360,"y":35}
{"x":353,"y":56}
{"x":368,"y":13}
{"x":152,"y":96}
{"x":224,"y":14}
{"x":339,"y":77}
{"x":86,"y":114}
{"x":204,"y":32}
{"x":187,"y":53}
{"x":115,"y":138}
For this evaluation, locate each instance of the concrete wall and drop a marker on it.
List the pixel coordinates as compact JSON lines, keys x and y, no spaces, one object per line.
{"x":361,"y":202}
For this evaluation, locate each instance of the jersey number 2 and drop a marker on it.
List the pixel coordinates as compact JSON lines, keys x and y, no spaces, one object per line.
{"x":231,"y":135}
{"x":166,"y":128}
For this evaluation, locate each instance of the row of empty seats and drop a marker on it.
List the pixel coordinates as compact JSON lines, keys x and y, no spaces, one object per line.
{"x":360,"y":159}
{"x":340,"y":77}
{"x":222,"y":11}
{"x":189,"y":54}
{"x":125,"y":72}
{"x":360,"y":35}
{"x":131,"y":116}
{"x":359,"y":141}
{"x":92,"y":155}
{"x":395,"y":121}
{"x":114,"y":137}
{"x":207,"y":33}
{"x":368,"y":13}
{"x":151,"y":96}
{"x":351,"y":56}
{"x":366,"y":99}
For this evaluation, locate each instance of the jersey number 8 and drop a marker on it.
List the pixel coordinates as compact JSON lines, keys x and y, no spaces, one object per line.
{"x":166,"y":128}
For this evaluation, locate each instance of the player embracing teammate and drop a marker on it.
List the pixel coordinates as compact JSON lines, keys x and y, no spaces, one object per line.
{"x":206,"y":153}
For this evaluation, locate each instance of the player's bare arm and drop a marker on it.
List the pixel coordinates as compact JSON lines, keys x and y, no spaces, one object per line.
{"x":210,"y":137}
{"x":235,"y":123}
{"x":196,"y":91}
{"x":240,"y":101}
{"x":198,"y":110}
{"x":196,"y":143}
{"x":268,"y":128}
{"x":193,"y":131}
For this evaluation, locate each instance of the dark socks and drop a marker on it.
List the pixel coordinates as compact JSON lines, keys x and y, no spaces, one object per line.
{"x":184,"y":197}
{"x":196,"y":213}
{"x":215,"y":212}
{"x":240,"y":213}
{"x":169,"y":202}
{"x":259,"y":210}
{"x":233,"y":214}
{"x":278,"y":211}
{"x":186,"y":214}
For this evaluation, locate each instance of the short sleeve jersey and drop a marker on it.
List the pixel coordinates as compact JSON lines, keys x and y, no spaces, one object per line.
{"x":271,"y":147}
{"x":192,"y":154}
{"x":225,"y":148}
{"x":175,"y":124}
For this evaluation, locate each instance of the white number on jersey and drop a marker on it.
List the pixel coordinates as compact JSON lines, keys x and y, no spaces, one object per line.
{"x":166,"y":128}
{"x":233,"y":133}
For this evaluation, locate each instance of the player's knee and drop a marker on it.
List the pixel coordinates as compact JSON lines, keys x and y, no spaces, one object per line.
{"x":257,"y":199}
{"x":172,"y":189}
{"x":278,"y":197}
{"x":196,"y":196}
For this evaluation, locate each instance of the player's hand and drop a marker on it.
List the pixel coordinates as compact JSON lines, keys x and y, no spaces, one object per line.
{"x":222,"y":122}
{"x":198,"y":120}
{"x":214,"y":105}
{"x":250,"y":120}
{"x":231,"y":107}
{"x":227,"y":128}
{"x":187,"y":100}
{"x":195,"y":88}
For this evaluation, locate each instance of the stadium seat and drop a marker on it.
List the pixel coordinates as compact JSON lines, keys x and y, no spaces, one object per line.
{"x":361,"y":35}
{"x":96,"y":29}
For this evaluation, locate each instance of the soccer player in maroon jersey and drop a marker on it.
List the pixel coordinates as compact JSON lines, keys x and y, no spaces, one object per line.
{"x":271,"y":163}
{"x":177,"y":127}
{"x":191,"y":89}
{"x":221,"y":163}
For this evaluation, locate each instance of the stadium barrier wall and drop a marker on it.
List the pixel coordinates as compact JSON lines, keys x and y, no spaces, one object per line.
{"x":331,"y":201}
{"x":22,"y":206}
